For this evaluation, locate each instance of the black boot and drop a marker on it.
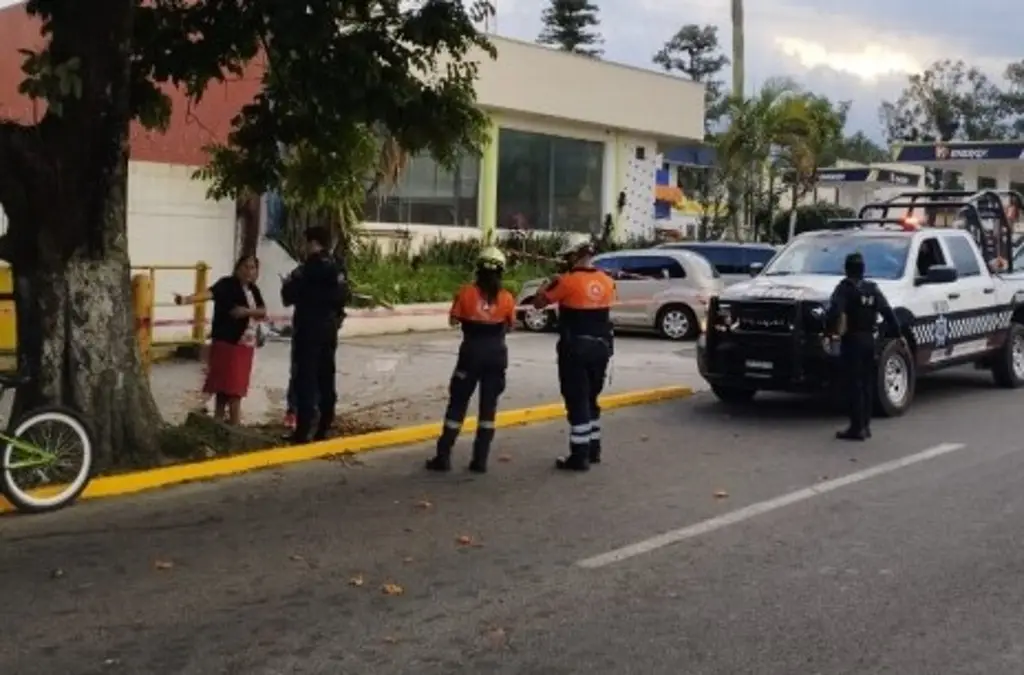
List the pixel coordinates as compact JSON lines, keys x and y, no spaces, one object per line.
{"x":851,"y":434}
{"x":481,"y":450}
{"x":323,"y":426}
{"x":574,"y":462}
{"x":595,"y":452}
{"x":442,"y":461}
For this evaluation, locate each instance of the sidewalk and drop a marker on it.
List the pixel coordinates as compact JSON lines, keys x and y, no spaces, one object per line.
{"x":403,"y":379}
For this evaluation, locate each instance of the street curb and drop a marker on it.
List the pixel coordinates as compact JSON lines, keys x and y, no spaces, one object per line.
{"x":151,"y":479}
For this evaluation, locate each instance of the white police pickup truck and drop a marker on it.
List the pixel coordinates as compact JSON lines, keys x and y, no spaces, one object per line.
{"x":768,"y":334}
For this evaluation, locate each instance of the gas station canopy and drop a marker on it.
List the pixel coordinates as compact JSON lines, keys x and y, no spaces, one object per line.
{"x":867,"y":178}
{"x":981,"y":164}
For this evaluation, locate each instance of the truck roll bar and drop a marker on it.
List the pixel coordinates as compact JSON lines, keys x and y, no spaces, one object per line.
{"x":977,"y":209}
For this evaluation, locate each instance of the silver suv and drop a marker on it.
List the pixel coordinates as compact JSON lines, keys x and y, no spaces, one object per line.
{"x":663,"y":290}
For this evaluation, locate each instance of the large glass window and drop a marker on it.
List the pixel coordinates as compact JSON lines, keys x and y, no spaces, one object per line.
{"x":428,"y":194}
{"x":549,"y":182}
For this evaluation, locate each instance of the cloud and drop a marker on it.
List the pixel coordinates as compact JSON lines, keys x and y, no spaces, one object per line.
{"x":859,"y":51}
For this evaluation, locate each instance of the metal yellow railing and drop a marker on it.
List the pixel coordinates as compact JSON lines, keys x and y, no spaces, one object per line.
{"x":145,"y":280}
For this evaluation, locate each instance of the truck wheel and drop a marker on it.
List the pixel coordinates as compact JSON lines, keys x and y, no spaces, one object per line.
{"x":733,"y":395}
{"x":895,"y":380}
{"x":1008,"y":363}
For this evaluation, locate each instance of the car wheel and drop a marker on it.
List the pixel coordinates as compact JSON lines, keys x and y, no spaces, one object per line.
{"x":895,"y":381}
{"x":1008,"y":368}
{"x":676,"y":322}
{"x":537,"y":320}
{"x":733,"y":395}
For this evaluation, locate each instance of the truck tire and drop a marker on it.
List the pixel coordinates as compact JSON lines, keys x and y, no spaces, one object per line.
{"x":895,"y":380}
{"x":1008,"y":362}
{"x":733,"y":395}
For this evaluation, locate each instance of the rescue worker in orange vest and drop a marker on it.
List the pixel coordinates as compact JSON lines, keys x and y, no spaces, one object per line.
{"x":486,"y":312}
{"x":584,"y":295}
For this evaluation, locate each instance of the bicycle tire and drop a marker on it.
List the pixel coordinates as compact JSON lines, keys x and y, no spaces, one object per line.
{"x":27,"y":503}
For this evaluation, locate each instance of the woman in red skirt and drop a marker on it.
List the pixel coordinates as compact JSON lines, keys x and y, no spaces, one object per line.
{"x":238,"y":309}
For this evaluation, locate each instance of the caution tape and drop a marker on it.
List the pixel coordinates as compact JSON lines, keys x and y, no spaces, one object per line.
{"x":387,"y":313}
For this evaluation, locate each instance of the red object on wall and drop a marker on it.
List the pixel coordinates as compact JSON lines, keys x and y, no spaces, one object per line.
{"x":192,"y":126}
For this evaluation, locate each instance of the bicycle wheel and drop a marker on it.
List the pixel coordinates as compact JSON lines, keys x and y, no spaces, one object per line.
{"x":47,"y":460}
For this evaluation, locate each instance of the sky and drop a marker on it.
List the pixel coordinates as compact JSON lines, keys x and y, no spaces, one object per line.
{"x":860,"y":51}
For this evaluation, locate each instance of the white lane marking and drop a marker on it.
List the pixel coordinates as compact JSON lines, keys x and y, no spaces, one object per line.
{"x":748,"y":512}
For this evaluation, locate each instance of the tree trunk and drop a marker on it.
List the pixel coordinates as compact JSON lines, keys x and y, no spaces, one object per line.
{"x":76,"y":334}
{"x":63,"y":184}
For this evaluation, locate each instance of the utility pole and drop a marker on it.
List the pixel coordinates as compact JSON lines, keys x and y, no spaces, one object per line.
{"x":738,"y":50}
{"x":738,"y":92}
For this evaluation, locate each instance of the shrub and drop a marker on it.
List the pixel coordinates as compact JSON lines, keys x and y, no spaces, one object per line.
{"x":394,"y":274}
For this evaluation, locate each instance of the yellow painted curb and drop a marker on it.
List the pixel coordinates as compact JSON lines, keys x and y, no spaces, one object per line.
{"x":128,"y":483}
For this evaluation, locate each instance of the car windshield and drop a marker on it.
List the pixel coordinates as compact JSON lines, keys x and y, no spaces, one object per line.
{"x":884,"y":257}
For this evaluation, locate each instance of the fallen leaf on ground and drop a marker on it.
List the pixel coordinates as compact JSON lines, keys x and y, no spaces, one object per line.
{"x":505,"y":458}
{"x":424,"y":504}
{"x":392,"y":589}
{"x":163,"y":565}
{"x":390,"y":640}
{"x":644,"y":438}
{"x":408,"y":560}
{"x":57,"y":573}
{"x":464,"y":540}
{"x":721,"y":494}
{"x":296,"y":557}
{"x":356,"y":581}
{"x":496,"y":638}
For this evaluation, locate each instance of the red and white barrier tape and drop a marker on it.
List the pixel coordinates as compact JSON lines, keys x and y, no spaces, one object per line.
{"x":385,"y":313}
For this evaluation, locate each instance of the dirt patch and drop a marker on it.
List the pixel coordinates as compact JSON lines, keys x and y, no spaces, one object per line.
{"x":201,"y":437}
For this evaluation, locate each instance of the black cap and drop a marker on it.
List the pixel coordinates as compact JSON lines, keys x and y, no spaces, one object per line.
{"x":318,"y":235}
{"x":854,"y":265}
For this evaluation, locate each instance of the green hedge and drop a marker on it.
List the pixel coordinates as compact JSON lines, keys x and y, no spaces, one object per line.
{"x":437,"y":269}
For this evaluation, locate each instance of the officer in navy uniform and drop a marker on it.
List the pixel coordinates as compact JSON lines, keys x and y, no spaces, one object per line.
{"x":857,"y":302}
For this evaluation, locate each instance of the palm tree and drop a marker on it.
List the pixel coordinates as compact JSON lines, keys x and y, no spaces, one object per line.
{"x":779,"y":129}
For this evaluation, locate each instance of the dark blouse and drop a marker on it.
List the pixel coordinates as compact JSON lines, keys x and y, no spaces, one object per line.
{"x":228,"y":293}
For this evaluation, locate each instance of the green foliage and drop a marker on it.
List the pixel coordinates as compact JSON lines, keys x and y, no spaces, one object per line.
{"x":808,"y":219}
{"x":397,"y":274}
{"x":694,"y":51}
{"x":571,"y":26}
{"x":948,"y":101}
{"x":337,"y":76}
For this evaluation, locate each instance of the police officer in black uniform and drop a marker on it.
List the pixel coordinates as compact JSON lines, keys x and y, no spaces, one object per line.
{"x":857,"y":302}
{"x":318,"y":289}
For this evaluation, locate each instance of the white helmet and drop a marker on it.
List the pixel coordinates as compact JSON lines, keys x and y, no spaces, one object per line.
{"x":581,"y":247}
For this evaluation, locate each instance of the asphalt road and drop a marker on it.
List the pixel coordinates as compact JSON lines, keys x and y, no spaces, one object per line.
{"x":910,"y":569}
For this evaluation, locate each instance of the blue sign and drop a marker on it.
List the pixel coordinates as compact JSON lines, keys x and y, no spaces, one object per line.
{"x":862,"y":175}
{"x":972,"y":151}
{"x":690,"y":156}
{"x":842,"y":175}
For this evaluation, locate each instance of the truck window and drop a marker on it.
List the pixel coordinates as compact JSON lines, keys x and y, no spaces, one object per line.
{"x":928,"y":255}
{"x":726,"y":259}
{"x":964,"y":259}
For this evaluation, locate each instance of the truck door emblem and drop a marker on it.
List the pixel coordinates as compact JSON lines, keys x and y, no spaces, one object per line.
{"x":941,"y":330}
